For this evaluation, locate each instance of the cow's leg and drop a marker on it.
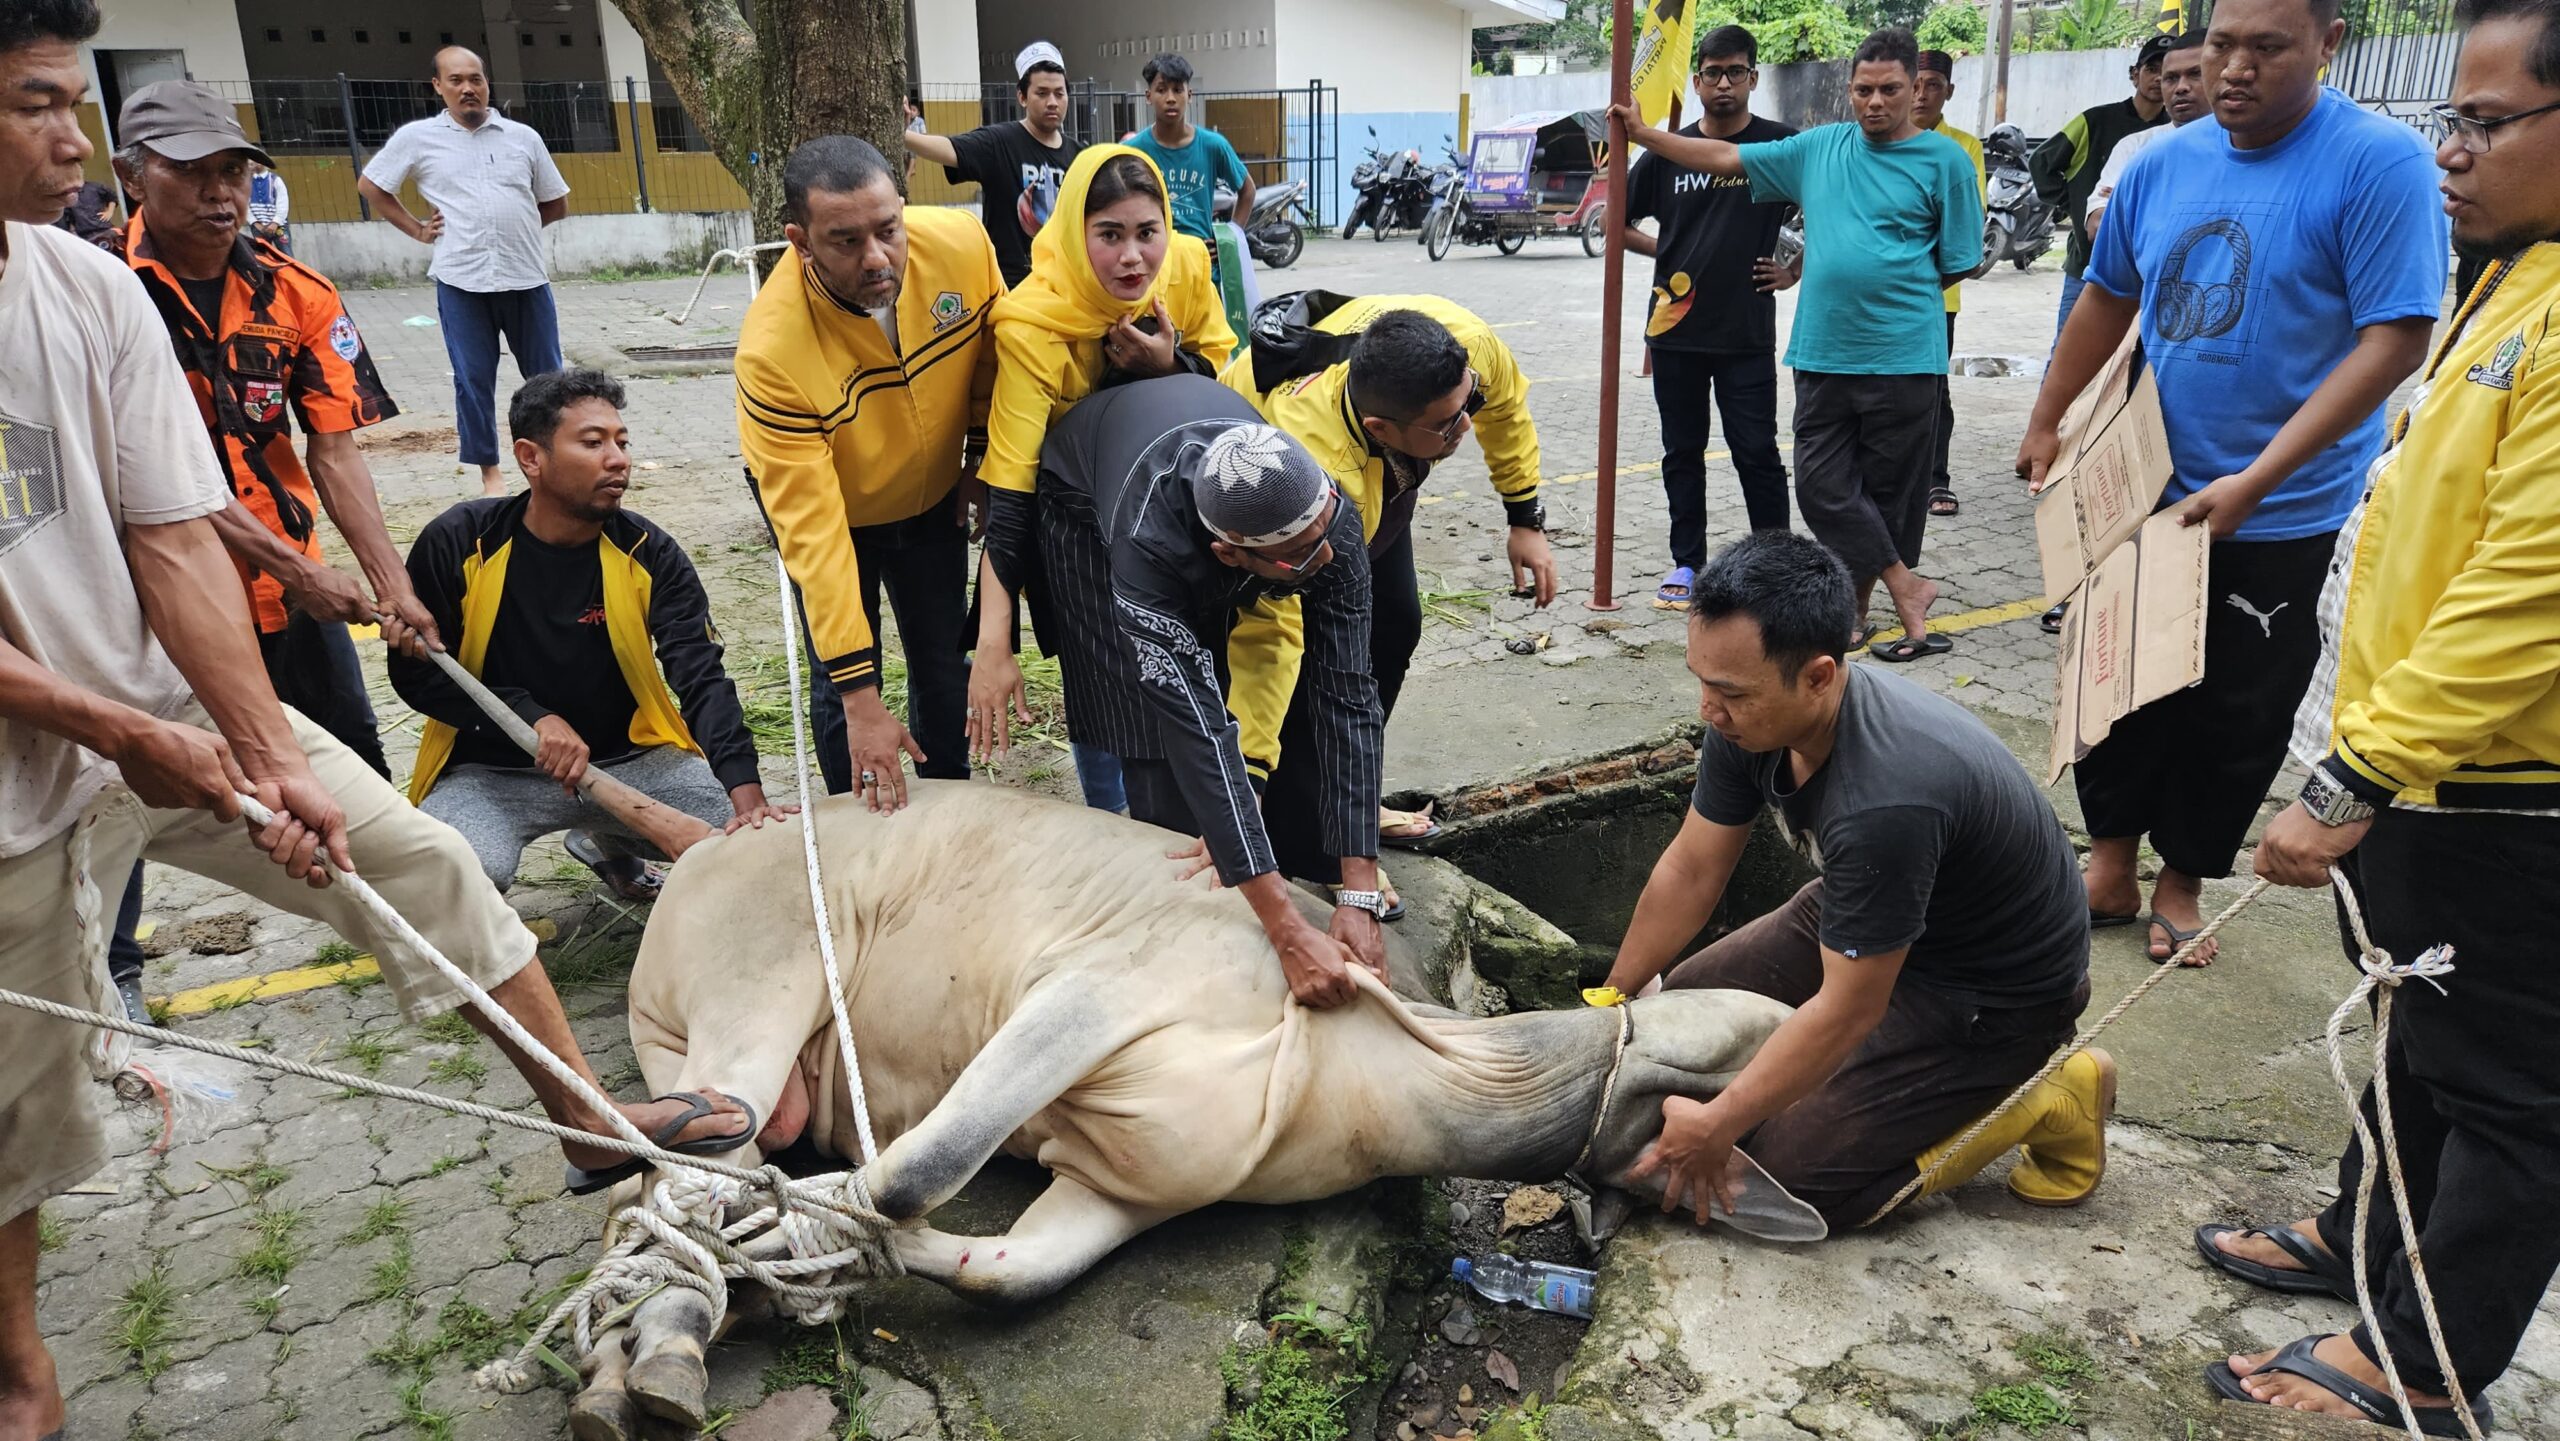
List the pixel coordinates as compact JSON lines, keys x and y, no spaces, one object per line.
{"x":669,"y":1334}
{"x":604,"y":1410}
{"x":1059,"y":1238}
{"x":1065,"y":1028}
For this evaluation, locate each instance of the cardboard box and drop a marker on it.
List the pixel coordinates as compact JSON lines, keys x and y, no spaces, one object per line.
{"x":2135,"y":581}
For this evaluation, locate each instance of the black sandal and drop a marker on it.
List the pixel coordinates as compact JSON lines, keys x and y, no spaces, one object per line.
{"x":1907,"y":650}
{"x":579,"y":1181}
{"x":2052,"y":621}
{"x":2322,"y":1273}
{"x":1942,"y":501}
{"x":2377,"y":1407}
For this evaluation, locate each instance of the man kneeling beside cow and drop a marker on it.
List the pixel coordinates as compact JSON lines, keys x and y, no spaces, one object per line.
{"x":1076,"y":1002}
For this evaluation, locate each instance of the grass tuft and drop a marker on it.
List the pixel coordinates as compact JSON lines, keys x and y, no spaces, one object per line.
{"x":257,"y":1177}
{"x":147,"y":1319}
{"x":274,"y":1256}
{"x":2061,"y":1360}
{"x":386,"y":1217}
{"x":390,"y":1276}
{"x":451,"y":1028}
{"x":368,"y":1049}
{"x":2031,"y":1406}
{"x":462,"y":1067}
{"x":51,"y":1234}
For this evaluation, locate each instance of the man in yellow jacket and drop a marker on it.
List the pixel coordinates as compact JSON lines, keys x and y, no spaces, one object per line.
{"x":865,"y":367}
{"x":2432,"y":731}
{"x":1378,"y":389}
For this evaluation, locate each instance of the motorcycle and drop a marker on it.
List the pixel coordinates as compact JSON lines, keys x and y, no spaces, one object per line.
{"x":1448,"y":192}
{"x":1276,"y":230}
{"x":1366,"y":187}
{"x":2017,"y":226}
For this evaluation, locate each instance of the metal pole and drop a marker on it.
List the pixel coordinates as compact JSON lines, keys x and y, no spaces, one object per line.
{"x":1613,"y":290}
{"x":355,"y":152}
{"x":2000,"y":48}
{"x":639,"y":142}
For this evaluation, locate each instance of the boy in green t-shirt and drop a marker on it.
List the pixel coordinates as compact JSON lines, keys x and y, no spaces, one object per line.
{"x":1192,"y":158}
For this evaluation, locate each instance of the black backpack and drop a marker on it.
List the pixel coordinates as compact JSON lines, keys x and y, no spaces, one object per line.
{"x":1284,"y":343}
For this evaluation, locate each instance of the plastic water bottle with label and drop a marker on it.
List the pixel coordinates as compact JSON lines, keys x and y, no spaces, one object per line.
{"x":1539,"y":1285}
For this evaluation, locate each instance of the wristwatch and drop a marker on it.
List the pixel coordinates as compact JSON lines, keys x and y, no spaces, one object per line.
{"x":2331,"y":803}
{"x":1374,"y":902}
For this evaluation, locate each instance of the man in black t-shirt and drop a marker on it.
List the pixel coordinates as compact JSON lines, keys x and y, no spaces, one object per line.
{"x":1934,"y":965}
{"x":1715,"y":311}
{"x":567,"y":607}
{"x":1017,"y":164}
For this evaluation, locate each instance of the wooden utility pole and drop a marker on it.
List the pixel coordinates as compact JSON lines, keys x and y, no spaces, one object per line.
{"x":2000,"y":47}
{"x":1613,"y":294}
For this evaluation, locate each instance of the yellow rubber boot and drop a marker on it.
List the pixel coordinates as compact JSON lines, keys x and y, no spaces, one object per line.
{"x":2065,"y":1156}
{"x":2060,"y":1127}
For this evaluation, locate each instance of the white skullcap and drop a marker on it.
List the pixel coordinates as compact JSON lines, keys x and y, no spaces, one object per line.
{"x":1035,"y":52}
{"x":1257,"y":488}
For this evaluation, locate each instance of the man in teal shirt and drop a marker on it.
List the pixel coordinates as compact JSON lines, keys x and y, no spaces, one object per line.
{"x":1193,"y":159}
{"x":1892,"y":216}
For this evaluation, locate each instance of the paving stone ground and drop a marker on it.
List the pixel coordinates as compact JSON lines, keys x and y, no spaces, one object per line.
{"x":304,"y":1265}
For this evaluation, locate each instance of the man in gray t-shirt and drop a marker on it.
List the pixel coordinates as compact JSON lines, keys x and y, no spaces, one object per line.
{"x":1939,"y":959}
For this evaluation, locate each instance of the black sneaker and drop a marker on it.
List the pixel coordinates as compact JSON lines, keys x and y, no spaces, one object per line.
{"x":136,"y":1009}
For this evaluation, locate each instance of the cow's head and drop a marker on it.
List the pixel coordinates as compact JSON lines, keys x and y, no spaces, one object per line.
{"x":1691,"y":1044}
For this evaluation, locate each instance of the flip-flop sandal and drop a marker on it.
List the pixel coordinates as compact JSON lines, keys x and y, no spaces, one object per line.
{"x":639,"y":885}
{"x":2322,"y":1273}
{"x":2177,"y":938}
{"x":1863,"y":634}
{"x":580,"y":1181}
{"x":1680,"y":578}
{"x":2051,"y":624}
{"x":1907,"y":650}
{"x":1942,"y":501}
{"x":1388,"y":817}
{"x":2107,"y":920}
{"x":2376,"y":1406}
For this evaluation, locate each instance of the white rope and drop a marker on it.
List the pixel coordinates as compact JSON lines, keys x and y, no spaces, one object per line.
{"x":817,"y":881}
{"x":2382,"y":980}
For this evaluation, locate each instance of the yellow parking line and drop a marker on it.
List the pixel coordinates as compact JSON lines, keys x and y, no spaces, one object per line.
{"x":1648,"y":467}
{"x":1975,"y":619}
{"x":223,"y":995}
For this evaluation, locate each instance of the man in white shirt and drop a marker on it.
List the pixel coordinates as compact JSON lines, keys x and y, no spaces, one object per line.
{"x":2182,"y":90}
{"x":490,"y":188}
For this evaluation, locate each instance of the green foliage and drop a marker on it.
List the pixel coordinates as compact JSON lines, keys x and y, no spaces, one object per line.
{"x":368,"y":1049}
{"x":2369,"y":18}
{"x":1955,"y":26}
{"x":461,"y":1066}
{"x":2031,"y":1406}
{"x":1789,"y":30}
{"x":257,"y":1177}
{"x":147,"y":1319}
{"x":2091,"y":25}
{"x":2061,"y":1359}
{"x":275,"y":1254}
{"x":390,"y":1276}
{"x":1294,"y":1397}
{"x":823,"y":1362}
{"x":50,"y":1233}
{"x":386,"y":1217}
{"x":452,"y":1028}
{"x":339,"y":953}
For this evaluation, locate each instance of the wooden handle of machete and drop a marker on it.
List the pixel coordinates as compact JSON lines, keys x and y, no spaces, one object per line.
{"x":661,"y":825}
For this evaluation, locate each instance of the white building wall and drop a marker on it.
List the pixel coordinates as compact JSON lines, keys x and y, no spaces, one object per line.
{"x":946,"y":42}
{"x":1388,"y":56}
{"x":1231,"y":43}
{"x":207,"y":30}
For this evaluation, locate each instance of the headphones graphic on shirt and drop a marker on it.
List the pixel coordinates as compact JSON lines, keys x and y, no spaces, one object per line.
{"x":2188,"y":311}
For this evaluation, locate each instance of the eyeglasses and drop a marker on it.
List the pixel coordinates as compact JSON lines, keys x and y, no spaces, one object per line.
{"x":1457,"y":425}
{"x":1724,"y":74}
{"x":2449,"y":123}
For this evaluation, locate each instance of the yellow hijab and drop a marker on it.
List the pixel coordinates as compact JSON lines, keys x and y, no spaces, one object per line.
{"x":1063,"y":295}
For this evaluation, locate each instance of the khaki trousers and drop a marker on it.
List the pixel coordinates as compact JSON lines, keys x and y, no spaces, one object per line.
{"x":52,"y":942}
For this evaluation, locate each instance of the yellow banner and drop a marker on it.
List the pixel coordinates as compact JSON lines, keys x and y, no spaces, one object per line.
{"x":1659,"y":64}
{"x":2173,"y":17}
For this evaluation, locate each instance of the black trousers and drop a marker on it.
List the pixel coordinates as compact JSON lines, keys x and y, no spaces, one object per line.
{"x":1930,"y":1067}
{"x":1289,"y":801}
{"x":2475,"y":1101}
{"x":1938,"y":478}
{"x":2189,"y":770}
{"x":314,"y":668}
{"x":923,"y":563}
{"x":1863,"y":447}
{"x":1745,"y":390}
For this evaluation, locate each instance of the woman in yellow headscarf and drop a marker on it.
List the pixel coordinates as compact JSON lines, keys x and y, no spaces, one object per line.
{"x":1112,"y":289}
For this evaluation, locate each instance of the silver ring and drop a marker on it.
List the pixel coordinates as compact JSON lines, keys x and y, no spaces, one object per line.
{"x":870,"y":779}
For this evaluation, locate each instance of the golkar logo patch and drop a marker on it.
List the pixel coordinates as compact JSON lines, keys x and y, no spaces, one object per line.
{"x":949,"y":310}
{"x":342,"y":338}
{"x":2500,"y":372}
{"x":30,"y":480}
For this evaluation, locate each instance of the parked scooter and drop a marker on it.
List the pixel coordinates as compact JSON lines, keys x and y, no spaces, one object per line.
{"x":2017,"y":226}
{"x":1276,"y":230}
{"x":1367,"y":186}
{"x":1448,"y":193}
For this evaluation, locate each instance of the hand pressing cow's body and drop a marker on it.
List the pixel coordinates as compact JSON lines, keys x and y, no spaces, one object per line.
{"x":1029,"y":977}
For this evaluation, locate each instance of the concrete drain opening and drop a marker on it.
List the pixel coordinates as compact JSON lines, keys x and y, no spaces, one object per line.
{"x":725,"y":351}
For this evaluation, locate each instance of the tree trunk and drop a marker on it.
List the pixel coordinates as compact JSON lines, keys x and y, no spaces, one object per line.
{"x":802,"y":69}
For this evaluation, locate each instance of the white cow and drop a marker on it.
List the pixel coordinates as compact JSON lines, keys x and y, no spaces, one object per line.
{"x":1031,"y":977}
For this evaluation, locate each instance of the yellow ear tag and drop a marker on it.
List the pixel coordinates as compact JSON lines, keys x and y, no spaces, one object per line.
{"x":1604,"y":996}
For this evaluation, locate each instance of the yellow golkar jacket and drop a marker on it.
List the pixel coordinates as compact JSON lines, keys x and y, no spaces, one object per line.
{"x":2449,"y":641}
{"x":1049,"y":332}
{"x":1264,"y":649}
{"x":838,"y":430}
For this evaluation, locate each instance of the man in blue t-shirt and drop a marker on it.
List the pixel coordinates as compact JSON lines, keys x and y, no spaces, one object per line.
{"x":1193,"y":159}
{"x":2287,"y":265}
{"x":1892,"y":216}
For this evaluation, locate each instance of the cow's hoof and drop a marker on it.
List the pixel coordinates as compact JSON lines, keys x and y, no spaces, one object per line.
{"x":671,"y":1387}
{"x":599,"y":1415}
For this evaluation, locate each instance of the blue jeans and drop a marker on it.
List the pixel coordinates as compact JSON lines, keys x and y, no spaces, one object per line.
{"x":472,"y":324}
{"x":1098,"y":772}
{"x":2071,"y":288}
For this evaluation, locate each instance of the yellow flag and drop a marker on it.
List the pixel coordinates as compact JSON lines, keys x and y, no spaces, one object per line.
{"x":2173,"y":17}
{"x":1659,"y":64}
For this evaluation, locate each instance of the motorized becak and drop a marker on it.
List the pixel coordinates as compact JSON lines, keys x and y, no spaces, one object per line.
{"x":1532,"y":175}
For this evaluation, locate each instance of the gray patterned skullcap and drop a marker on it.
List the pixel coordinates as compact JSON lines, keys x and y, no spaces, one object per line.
{"x":1257,"y":487}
